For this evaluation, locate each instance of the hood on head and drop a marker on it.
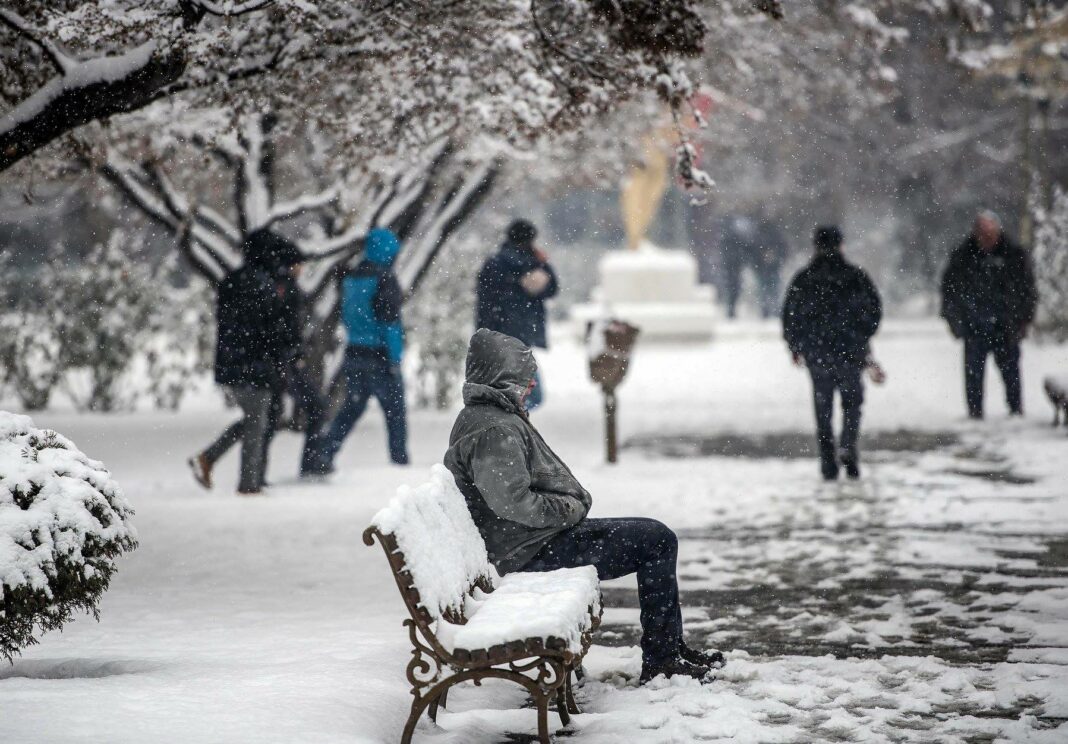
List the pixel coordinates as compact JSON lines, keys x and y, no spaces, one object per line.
{"x":497,"y":363}
{"x":270,"y":250}
{"x":381,"y":246}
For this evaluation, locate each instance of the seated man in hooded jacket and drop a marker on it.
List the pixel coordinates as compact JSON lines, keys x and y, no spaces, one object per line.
{"x":532,"y":511}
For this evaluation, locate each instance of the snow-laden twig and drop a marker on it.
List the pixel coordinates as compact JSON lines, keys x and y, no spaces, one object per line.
{"x":63,"y":64}
{"x":290,"y":208}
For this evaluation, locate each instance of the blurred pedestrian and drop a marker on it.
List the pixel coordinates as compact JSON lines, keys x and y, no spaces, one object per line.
{"x":371,"y":300}
{"x":256,"y":342}
{"x":756,"y":242}
{"x":831,"y":311}
{"x":513,"y":285}
{"x":988,"y":300}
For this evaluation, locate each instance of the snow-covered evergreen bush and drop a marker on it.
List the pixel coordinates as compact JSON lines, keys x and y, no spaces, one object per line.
{"x":30,"y":361}
{"x":1051,"y":267}
{"x":63,"y":522}
{"x":106,"y":330}
{"x":440,"y":321}
{"x":102,"y":312}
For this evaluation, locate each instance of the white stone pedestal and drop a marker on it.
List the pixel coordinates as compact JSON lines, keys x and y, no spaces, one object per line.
{"x":654,"y":289}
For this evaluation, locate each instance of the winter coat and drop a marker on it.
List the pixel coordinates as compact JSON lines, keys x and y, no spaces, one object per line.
{"x":503,"y":305}
{"x":519,"y":492}
{"x":831,"y":311}
{"x":258,"y":334}
{"x":371,"y":299}
{"x":988,"y":296}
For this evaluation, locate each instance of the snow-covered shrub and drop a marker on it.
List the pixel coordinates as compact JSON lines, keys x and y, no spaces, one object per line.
{"x":1051,"y":267}
{"x":102,"y":312}
{"x":440,"y":320}
{"x":63,"y":522}
{"x":30,"y":361}
{"x":106,"y":330}
{"x":179,"y":346}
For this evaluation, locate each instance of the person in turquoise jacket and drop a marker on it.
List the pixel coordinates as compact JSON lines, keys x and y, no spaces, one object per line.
{"x":371,"y":313}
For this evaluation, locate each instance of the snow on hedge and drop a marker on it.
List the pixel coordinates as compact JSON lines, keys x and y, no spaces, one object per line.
{"x":63,"y":521}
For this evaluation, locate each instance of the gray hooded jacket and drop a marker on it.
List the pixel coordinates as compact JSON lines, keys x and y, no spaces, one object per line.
{"x":519,"y":492}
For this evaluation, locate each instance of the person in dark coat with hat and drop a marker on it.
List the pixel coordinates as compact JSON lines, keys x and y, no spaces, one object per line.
{"x":258,"y":338}
{"x":988,"y":300}
{"x":513,"y":286}
{"x":832,"y":310}
{"x":532,"y":511}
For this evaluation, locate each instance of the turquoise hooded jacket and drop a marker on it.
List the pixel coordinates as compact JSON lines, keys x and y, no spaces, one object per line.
{"x":371,"y":298}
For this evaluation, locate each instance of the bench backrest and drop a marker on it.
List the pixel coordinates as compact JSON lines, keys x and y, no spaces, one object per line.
{"x":443,"y":551}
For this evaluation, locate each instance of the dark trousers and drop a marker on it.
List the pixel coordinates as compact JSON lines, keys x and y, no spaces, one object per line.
{"x":254,"y":430}
{"x":767,"y":278}
{"x":1006,"y":357}
{"x":306,"y":396}
{"x":366,"y":375}
{"x":618,"y":547}
{"x":846,"y":379}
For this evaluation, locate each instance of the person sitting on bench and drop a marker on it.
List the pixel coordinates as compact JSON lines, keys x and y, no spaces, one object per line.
{"x":532,"y":511}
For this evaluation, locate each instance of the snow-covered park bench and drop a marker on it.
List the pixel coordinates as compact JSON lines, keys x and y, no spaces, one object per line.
{"x":1057,"y":390}
{"x":468,"y":623}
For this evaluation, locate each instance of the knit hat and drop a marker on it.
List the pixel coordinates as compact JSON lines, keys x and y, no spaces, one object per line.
{"x":827,"y":238}
{"x":522,"y":232}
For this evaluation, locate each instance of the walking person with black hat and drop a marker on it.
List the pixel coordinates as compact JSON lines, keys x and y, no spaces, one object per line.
{"x":513,"y":285}
{"x":258,"y":339}
{"x":832,"y":310}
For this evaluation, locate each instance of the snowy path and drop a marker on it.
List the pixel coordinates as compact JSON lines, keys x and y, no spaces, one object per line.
{"x":928,"y":602}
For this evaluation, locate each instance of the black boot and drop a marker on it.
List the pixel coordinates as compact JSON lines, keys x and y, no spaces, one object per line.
{"x":712,"y":660}
{"x":851,"y":463}
{"x":828,"y":461}
{"x":676,"y":667}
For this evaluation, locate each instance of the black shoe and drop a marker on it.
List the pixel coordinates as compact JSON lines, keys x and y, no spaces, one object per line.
{"x":975,"y":415}
{"x":851,"y":463}
{"x":829,"y":470}
{"x":677,"y":667}
{"x":712,"y":660}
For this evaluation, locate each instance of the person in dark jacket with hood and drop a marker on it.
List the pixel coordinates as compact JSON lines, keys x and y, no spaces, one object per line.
{"x":988,"y":300}
{"x":513,"y":286}
{"x":258,"y":338}
{"x":371,"y":312}
{"x":532,"y":511}
{"x":831,"y":311}
{"x":297,"y":382}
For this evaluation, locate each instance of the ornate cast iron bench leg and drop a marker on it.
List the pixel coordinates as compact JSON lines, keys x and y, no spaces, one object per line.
{"x":569,"y":694}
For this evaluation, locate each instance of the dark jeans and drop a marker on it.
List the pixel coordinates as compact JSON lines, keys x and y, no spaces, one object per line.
{"x":1006,"y":357}
{"x":368,"y":374}
{"x":846,"y":379}
{"x":307,"y":397}
{"x":618,"y":547}
{"x":254,"y":430}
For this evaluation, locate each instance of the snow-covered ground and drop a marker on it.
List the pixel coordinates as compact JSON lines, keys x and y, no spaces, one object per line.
{"x":929,"y":602}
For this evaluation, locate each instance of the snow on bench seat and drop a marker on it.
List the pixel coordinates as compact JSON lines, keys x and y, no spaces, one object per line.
{"x":544,"y":605}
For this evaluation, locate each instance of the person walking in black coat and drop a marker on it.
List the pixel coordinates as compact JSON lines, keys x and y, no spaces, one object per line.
{"x":988,"y":300}
{"x":258,"y":339}
{"x":532,"y":511}
{"x":513,"y":286}
{"x":831,"y":311}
